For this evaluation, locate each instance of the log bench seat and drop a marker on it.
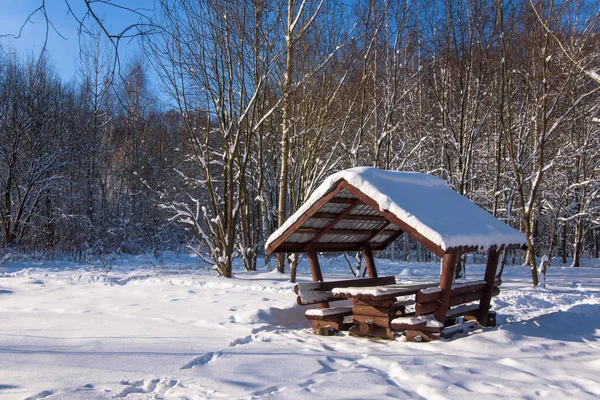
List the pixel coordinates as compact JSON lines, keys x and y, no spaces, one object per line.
{"x":325,"y":313}
{"x":424,"y":327}
{"x":329,"y":320}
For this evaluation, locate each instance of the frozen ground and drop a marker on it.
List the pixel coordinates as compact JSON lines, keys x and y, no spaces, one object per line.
{"x":169,"y":329}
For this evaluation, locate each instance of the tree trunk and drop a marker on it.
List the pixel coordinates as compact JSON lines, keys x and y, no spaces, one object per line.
{"x":596,"y":243}
{"x":563,"y":246}
{"x":578,"y":244}
{"x":530,"y":256}
{"x":285,"y":127}
{"x":294,"y":261}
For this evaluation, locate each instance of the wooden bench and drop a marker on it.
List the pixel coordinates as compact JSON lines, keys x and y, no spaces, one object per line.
{"x":328,"y":320}
{"x":424,"y":327}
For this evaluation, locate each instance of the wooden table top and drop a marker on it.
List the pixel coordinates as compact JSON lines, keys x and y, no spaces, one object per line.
{"x":383,"y":292}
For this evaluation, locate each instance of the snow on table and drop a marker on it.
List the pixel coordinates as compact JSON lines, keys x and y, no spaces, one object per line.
{"x":382,"y":291}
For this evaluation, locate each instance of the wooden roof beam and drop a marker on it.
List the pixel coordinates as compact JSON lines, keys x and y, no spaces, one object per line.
{"x":356,"y":232}
{"x":349,"y":217}
{"x":305,"y":217}
{"x":331,"y":247}
{"x":335,"y":221}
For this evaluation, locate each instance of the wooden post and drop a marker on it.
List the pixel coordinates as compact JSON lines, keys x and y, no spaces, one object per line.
{"x":369,"y":260}
{"x":446,"y":284}
{"x":490,"y":277}
{"x":315,"y":268}
{"x":313,"y":263}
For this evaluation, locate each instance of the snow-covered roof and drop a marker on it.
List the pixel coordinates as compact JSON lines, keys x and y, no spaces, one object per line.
{"x":366,"y":204}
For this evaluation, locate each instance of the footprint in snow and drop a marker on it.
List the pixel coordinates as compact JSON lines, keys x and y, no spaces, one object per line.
{"x":328,"y":347}
{"x":244,"y":340}
{"x":157,"y":386}
{"x":40,"y":395}
{"x":269,"y":390}
{"x":203,"y":359}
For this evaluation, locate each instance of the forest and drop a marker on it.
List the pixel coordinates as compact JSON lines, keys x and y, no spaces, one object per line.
{"x":264,"y":99}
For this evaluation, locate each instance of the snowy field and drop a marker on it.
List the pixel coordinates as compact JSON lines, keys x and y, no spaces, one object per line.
{"x":170,"y":329}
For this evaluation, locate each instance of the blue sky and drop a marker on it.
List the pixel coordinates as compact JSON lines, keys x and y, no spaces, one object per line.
{"x":63,"y":52}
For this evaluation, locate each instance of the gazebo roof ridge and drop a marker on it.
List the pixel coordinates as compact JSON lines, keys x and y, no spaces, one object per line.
{"x":366,"y":205}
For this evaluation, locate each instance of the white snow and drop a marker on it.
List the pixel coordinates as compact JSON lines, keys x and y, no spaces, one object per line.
{"x":323,"y":312}
{"x":432,"y":290}
{"x":373,"y":290}
{"x":429,"y":320}
{"x":424,"y":202}
{"x":455,"y":285}
{"x":171,"y":329}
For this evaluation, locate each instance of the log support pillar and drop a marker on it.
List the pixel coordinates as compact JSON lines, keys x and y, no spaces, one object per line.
{"x":315,"y":268}
{"x":446,"y":279}
{"x":490,"y":277}
{"x":369,"y":260}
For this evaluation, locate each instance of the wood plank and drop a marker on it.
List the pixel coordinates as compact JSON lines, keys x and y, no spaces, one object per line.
{"x":385,"y":303}
{"x":457,"y":289}
{"x":431,"y":306}
{"x":303,"y":218}
{"x":426,"y":308}
{"x":383,"y":322}
{"x":394,"y":219}
{"x":382,"y":312}
{"x":448,"y":267}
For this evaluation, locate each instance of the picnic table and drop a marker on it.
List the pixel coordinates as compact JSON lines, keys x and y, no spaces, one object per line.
{"x":380,"y":310}
{"x":375,"y":307}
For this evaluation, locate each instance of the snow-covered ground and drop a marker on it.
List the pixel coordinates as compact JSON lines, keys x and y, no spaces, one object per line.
{"x":170,"y":329}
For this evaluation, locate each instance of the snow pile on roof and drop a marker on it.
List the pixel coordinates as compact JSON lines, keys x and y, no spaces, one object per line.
{"x":424,"y":202}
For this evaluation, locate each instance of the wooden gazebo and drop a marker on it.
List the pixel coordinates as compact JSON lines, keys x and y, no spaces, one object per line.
{"x":366,"y":209}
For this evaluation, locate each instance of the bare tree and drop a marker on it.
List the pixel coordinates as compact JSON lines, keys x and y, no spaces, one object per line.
{"x":207,"y":61}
